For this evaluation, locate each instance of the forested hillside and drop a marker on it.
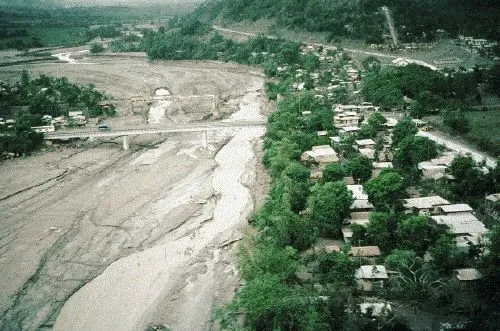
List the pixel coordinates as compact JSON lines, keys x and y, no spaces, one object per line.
{"x":363,"y":19}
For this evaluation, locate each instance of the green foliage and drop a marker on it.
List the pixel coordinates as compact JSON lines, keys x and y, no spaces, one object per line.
{"x":380,"y":231}
{"x":411,"y":151}
{"x":371,"y":63}
{"x":469,"y":181}
{"x":404,"y":128}
{"x":414,"y":227}
{"x":329,"y":205}
{"x":445,"y":254}
{"x":360,"y":168}
{"x":377,"y":121}
{"x":456,"y":121}
{"x":333,"y":172}
{"x":97,"y":48}
{"x":386,"y":190}
{"x":336,"y":268}
{"x":265,"y":257}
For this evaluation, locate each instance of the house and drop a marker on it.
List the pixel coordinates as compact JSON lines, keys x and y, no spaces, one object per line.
{"x":347,"y":119}
{"x":467,"y":277}
{"x":335,"y":140}
{"x":361,"y":202}
{"x":379,"y":166}
{"x":455,"y":208}
{"x":361,"y":218}
{"x":322,"y":133}
{"x":75,"y":113}
{"x":430,"y":171}
{"x":347,"y":234}
{"x":348,"y":130}
{"x":461,"y":224}
{"x":371,"y":277}
{"x":364,"y":143}
{"x":43,"y":129}
{"x":401,"y":62}
{"x":322,"y":155}
{"x":364,"y":251}
{"x":493,"y":199}
{"x":368,"y":153}
{"x":375,"y":309}
{"x":424,"y":205}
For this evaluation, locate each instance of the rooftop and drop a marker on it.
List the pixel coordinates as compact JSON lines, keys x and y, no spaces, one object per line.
{"x":357,"y":192}
{"x":456,"y":208}
{"x":425,"y":202}
{"x":468,"y":274}
{"x":375,"y":309}
{"x":461,"y":223}
{"x":371,"y":272}
{"x":364,"y":251}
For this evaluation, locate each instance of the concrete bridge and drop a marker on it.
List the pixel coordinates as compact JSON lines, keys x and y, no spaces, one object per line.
{"x":92,"y":133}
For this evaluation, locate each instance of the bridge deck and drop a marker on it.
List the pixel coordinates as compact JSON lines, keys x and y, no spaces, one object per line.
{"x":198,"y":127}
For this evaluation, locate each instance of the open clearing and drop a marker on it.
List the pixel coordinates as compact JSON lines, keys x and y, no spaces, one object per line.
{"x":95,"y":237}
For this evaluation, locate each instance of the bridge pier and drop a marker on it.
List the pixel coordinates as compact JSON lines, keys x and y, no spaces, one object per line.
{"x":125,"y":143}
{"x":204,"y":139}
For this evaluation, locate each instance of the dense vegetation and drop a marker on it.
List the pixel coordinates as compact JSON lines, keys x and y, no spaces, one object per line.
{"x":362,"y":19}
{"x":24,"y":27}
{"x":29,"y":100}
{"x":451,"y":95}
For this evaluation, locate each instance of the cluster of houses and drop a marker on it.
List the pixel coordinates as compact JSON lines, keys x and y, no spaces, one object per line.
{"x":459,"y":219}
{"x":481,"y":46}
{"x":74,"y":118}
{"x":8,"y":123}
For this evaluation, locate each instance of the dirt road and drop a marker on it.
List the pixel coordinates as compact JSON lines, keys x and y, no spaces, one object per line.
{"x":121,"y":239}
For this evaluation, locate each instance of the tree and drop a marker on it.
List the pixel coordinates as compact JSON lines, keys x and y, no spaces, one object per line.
{"x":445,"y":254}
{"x":411,"y":228}
{"x":336,"y":268}
{"x":377,"y":121}
{"x":411,"y":151}
{"x":380,"y":231}
{"x":329,"y":204}
{"x":371,"y":63}
{"x":360,"y":168}
{"x":97,"y":48}
{"x":415,"y":279}
{"x":456,"y":120}
{"x":259,"y":257}
{"x":469,"y":180}
{"x":333,"y":172}
{"x":386,"y":191}
{"x":404,"y":128}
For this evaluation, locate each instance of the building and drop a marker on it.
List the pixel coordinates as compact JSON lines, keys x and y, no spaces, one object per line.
{"x":348,"y":130}
{"x":379,"y":166}
{"x":43,"y":129}
{"x":431,"y":171}
{"x":364,"y":251}
{"x":364,"y":143}
{"x":467,"y":277}
{"x":360,"y":217}
{"x":424,"y":205}
{"x":461,"y":224}
{"x":321,"y":155}
{"x":371,"y":277}
{"x":375,"y":309}
{"x":361,"y":202}
{"x":455,"y":208}
{"x":347,"y":119}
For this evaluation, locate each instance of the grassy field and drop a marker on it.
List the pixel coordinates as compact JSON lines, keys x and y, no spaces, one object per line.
{"x":485,"y":130}
{"x":56,"y":36}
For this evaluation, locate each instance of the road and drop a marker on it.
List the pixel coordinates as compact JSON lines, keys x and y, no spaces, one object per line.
{"x":458,"y":147}
{"x":189,"y":127}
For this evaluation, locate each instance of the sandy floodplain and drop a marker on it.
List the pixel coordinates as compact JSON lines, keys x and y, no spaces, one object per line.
{"x":93,"y":237}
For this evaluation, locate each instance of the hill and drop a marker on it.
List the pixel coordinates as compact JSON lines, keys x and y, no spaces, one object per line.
{"x":415,"y":20}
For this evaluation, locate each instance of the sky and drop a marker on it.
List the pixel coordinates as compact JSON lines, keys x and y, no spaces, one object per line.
{"x":70,"y":3}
